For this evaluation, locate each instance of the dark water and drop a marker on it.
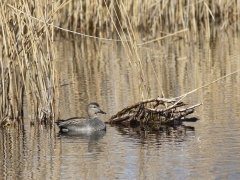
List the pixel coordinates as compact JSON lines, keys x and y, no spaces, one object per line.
{"x":94,"y":71}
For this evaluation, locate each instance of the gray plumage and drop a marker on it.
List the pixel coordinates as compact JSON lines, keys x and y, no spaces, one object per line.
{"x":82,"y":124}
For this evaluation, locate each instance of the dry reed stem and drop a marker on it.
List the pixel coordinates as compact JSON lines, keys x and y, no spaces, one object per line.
{"x":169,"y":35}
{"x":30,"y":71}
{"x":208,"y":84}
{"x":152,"y":16}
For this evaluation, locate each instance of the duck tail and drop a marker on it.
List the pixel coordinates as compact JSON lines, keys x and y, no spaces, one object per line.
{"x":58,"y":122}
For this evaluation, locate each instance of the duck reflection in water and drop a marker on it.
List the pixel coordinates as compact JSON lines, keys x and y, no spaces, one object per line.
{"x":90,"y":137}
{"x":82,"y":125}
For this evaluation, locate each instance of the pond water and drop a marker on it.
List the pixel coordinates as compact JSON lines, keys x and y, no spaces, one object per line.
{"x":90,"y":70}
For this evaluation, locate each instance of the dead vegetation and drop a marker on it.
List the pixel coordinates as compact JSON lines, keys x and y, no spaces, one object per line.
{"x":27,"y":68}
{"x":159,"y":110}
{"x":152,"y":16}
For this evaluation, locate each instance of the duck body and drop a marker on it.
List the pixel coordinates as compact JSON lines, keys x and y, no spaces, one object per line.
{"x":82,"y":124}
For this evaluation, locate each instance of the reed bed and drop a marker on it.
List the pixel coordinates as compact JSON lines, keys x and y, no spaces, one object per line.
{"x":152,"y":16}
{"x":27,"y":70}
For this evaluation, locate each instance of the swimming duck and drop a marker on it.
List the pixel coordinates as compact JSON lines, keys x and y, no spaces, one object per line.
{"x":82,"y":124}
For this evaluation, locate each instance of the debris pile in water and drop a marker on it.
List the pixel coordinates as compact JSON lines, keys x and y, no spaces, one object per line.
{"x":161,"y":110}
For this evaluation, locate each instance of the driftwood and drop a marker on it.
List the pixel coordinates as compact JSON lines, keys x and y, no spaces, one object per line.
{"x":161,"y":110}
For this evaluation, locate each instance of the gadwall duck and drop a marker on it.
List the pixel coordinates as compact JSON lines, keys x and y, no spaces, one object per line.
{"x":82,"y":124}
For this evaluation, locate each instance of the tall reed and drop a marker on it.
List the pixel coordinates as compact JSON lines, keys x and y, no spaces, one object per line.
{"x":27,"y":67}
{"x":152,"y":16}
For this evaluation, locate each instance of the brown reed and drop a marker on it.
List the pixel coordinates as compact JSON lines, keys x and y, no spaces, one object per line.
{"x":154,"y":17}
{"x":27,"y":67}
{"x":149,"y":15}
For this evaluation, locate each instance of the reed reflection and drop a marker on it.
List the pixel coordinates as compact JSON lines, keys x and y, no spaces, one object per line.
{"x":28,"y":152}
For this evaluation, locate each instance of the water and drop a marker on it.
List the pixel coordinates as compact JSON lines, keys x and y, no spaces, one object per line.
{"x":91,"y":71}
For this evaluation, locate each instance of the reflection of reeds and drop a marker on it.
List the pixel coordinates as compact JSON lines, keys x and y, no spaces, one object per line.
{"x":129,"y":42}
{"x":26,"y":64}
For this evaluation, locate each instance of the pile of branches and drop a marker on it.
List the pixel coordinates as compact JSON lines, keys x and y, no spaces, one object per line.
{"x":161,"y":110}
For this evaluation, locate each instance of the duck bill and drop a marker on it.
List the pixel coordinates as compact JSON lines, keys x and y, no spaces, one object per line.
{"x":100,"y":111}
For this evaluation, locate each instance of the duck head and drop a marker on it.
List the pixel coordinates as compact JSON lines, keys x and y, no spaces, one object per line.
{"x":93,"y":109}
